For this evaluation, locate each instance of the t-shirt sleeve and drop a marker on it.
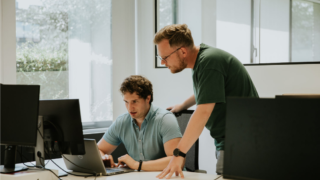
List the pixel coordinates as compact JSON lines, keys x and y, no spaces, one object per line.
{"x":211,"y":87}
{"x":170,"y":128}
{"x":112,"y":134}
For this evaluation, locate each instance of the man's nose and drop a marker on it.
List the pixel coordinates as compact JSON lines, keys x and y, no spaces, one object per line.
{"x":163,"y":62}
{"x":130,"y":107}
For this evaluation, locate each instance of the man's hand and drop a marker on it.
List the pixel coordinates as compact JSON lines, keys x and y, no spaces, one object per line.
{"x":176,"y":108}
{"x":126,"y":160}
{"x":173,"y":167}
{"x":108,"y":161}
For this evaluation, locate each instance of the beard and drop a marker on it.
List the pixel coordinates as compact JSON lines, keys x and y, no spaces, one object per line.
{"x":182,"y":65}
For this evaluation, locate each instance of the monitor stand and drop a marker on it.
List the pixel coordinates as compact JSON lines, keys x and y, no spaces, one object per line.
{"x":39,"y":149}
{"x":10,"y":161}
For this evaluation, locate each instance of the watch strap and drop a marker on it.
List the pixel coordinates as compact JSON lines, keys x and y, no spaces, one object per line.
{"x":182,"y":154}
{"x":140,"y":164}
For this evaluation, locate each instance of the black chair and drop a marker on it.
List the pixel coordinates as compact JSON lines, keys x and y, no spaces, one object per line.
{"x":192,"y":158}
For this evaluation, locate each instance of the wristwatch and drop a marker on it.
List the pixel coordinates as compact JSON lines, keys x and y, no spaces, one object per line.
{"x":177,"y":152}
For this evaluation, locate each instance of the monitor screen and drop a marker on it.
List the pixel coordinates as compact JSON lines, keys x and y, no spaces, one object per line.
{"x":272,"y":138}
{"x":62,"y":124}
{"x":19,"y":114}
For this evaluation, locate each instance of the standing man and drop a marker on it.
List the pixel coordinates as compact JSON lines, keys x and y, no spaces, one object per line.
{"x":216,"y":75}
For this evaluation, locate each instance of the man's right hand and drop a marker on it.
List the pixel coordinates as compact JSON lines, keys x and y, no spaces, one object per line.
{"x":176,"y":108}
{"x":108,"y":160}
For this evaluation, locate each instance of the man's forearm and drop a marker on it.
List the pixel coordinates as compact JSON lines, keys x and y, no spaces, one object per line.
{"x":189,"y":102}
{"x":195,"y":126}
{"x":156,"y":165}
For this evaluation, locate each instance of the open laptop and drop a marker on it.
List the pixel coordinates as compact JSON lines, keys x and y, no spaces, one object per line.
{"x":91,"y":162}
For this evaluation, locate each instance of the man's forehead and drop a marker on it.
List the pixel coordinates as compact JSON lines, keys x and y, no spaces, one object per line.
{"x":130,"y":96}
{"x":164,"y":46}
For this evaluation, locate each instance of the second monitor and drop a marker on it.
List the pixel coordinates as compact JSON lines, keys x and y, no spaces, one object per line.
{"x":62,"y":126}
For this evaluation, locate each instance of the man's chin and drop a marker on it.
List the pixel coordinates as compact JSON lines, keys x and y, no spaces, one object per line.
{"x":174,"y":71}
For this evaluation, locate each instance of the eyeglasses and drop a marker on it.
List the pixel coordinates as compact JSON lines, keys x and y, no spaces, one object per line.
{"x":164,"y":59}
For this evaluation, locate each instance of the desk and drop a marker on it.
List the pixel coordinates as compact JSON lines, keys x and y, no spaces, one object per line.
{"x":133,"y":175}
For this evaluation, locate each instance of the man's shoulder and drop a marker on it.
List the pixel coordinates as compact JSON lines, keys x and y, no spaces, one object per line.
{"x":160,"y":113}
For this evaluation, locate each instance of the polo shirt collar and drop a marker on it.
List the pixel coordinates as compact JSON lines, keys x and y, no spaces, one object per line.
{"x":148,"y":116}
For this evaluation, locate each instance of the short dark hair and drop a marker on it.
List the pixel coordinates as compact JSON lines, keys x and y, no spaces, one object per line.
{"x":139,"y":84}
{"x":177,"y":34}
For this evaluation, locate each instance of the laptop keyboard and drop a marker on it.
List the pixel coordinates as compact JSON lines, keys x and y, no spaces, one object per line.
{"x":111,"y":170}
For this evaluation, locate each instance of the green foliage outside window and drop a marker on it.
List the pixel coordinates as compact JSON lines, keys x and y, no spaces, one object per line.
{"x":32,"y":57}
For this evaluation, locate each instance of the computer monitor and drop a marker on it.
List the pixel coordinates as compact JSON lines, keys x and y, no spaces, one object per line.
{"x":272,"y":138}
{"x":298,"y":96}
{"x":62,"y":126}
{"x":19,"y":117}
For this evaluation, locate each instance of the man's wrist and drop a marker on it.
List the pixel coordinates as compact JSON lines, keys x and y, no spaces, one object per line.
{"x":177,"y":152}
{"x":136,"y":165}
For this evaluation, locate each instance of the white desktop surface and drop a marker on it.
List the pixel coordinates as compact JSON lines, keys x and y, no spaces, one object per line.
{"x":132,"y":175}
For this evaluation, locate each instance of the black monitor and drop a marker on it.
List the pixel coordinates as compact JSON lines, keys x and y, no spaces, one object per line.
{"x":19,"y":117}
{"x":272,"y":138}
{"x":312,"y":96}
{"x":62,"y":126}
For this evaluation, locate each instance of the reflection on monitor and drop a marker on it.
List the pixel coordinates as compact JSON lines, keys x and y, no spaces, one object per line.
{"x":19,"y":117}
{"x":62,"y":126}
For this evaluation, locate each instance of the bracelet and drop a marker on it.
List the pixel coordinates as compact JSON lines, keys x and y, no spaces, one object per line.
{"x":140,"y":163}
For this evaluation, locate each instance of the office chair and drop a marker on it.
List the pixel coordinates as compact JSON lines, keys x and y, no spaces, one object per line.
{"x":192,"y":158}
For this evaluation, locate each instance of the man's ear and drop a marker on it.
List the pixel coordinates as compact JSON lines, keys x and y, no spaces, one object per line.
{"x":184,"y":51}
{"x":148,"y":99}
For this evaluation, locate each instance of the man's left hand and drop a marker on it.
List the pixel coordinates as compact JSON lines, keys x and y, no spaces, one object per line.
{"x":126,"y":160}
{"x":174,"y":166}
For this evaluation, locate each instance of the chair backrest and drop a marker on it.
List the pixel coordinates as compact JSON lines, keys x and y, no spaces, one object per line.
{"x":192,"y":158}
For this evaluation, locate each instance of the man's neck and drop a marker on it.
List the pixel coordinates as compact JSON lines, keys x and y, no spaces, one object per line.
{"x":139,"y":121}
{"x":191,"y":59}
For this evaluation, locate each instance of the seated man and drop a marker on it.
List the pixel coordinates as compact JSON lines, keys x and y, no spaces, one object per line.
{"x":150,"y":134}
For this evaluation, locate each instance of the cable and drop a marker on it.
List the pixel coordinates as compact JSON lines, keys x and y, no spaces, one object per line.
{"x":72,"y":173}
{"x":21,"y":154}
{"x":39,"y":167}
{"x":48,"y":153}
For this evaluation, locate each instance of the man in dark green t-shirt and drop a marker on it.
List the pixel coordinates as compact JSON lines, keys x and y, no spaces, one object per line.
{"x":216,"y":75}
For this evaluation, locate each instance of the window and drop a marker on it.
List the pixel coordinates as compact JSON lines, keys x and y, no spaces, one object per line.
{"x":255,"y":31}
{"x":285,"y":31}
{"x":166,"y":14}
{"x":178,"y":12}
{"x":65,"y":47}
{"x":305,"y":31}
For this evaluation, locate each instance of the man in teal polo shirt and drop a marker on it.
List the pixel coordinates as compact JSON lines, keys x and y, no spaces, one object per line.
{"x":149,"y":133}
{"x":216,"y":75}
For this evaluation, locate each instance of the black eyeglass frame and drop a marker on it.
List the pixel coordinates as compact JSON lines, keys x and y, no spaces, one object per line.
{"x":164,"y":59}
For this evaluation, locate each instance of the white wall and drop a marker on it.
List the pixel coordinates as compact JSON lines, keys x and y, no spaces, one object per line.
{"x":233,"y":27}
{"x":271,"y":80}
{"x":274,"y":35}
{"x":123,"y":49}
{"x":0,"y":41}
{"x":8,"y":42}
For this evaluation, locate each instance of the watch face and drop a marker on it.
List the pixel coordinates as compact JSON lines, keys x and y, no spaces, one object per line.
{"x":176,"y":152}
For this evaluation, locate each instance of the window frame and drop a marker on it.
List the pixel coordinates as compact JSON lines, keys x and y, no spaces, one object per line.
{"x":290,"y":39}
{"x":175,"y":20}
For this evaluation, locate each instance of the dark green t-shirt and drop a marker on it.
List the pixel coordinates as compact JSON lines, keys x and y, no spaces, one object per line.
{"x":217,"y":75}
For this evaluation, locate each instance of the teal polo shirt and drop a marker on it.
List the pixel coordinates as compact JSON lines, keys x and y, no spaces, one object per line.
{"x":158,"y":127}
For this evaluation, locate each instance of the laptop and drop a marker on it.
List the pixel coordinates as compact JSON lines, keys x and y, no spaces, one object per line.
{"x":91,"y":162}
